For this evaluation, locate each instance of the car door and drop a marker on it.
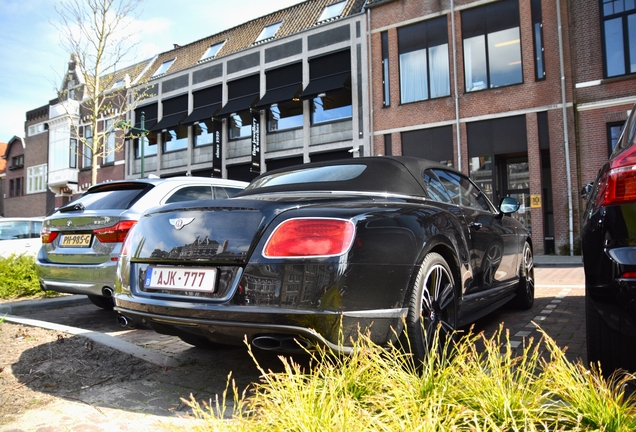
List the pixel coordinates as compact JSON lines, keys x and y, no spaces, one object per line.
{"x":492,"y":240}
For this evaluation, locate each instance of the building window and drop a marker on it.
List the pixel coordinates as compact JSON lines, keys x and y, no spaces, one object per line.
{"x":212,"y":51}
{"x":87,"y":149}
{"x":613,"y":134}
{"x":72,"y":153}
{"x":285,"y":115}
{"x":109,"y":142}
{"x":332,"y":105}
{"x":388,"y":145}
{"x":432,"y":143}
{"x":240,"y":125}
{"x":537,"y":36}
{"x":424,"y":67}
{"x":332,"y":11}
{"x":163,"y":68}
{"x":175,"y":138}
{"x":36,"y":179}
{"x":37,"y":129}
{"x":204,"y":133}
{"x":386,"y":94}
{"x":492,"y":46}
{"x":15,"y":187}
{"x":17,"y":162}
{"x":619,"y":36}
{"x":268,"y":32}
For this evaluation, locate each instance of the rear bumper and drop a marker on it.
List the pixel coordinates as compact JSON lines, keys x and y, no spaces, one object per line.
{"x":235,"y":324}
{"x":77,"y":279}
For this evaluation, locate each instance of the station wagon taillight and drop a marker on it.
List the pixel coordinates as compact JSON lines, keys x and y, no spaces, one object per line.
{"x":47,"y":235}
{"x":310,"y":237}
{"x":116,"y":233}
{"x":618,"y":184}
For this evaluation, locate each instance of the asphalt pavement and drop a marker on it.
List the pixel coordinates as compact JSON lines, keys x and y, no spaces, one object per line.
{"x":154,"y":403}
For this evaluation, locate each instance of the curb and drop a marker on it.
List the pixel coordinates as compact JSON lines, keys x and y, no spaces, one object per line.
{"x":41,"y":304}
{"x":101,"y":338}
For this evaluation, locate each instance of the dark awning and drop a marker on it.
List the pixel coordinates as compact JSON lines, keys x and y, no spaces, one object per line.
{"x":201,"y":114}
{"x":236,"y":105}
{"x":169,"y":121}
{"x":280,"y":94}
{"x":324,"y":84}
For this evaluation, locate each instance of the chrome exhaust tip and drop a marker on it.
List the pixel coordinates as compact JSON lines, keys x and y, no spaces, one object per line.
{"x":107,"y":292}
{"x":124,"y":321}
{"x":286,"y":343}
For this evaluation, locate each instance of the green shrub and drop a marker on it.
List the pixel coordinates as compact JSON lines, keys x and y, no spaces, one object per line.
{"x":491,"y":388}
{"x":18,"y":277}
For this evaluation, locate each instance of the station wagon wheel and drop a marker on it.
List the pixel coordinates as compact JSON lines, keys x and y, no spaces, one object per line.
{"x":525,"y":289}
{"x":432,"y":307}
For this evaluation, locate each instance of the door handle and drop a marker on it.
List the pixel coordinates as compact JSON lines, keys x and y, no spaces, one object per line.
{"x":475,"y":225}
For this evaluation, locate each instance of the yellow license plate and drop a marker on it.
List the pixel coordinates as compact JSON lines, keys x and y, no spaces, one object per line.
{"x":75,"y":240}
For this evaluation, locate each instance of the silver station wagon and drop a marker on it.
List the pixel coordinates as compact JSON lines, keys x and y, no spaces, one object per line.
{"x":82,"y":240}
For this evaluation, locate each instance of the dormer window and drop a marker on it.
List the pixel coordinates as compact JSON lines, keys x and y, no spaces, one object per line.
{"x":17,"y":162}
{"x":332,"y":11}
{"x":119,"y":84}
{"x":163,"y":68}
{"x":268,"y":32}
{"x":212,"y":51}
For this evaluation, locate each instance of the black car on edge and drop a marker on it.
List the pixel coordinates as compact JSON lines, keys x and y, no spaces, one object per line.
{"x":315,"y":253}
{"x":608,"y":239}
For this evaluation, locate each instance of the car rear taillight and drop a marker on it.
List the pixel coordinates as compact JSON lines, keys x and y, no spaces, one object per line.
{"x":116,"y":233}
{"x":310,"y":237}
{"x":618,"y":185}
{"x":127,"y":246}
{"x":48,"y":236}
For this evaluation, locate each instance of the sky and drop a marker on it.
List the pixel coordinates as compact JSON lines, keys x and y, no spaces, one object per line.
{"x":32,"y":60}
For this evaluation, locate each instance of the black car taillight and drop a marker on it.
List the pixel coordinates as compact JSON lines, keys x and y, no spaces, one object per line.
{"x":116,"y":233}
{"x":310,"y":237}
{"x":618,"y":184}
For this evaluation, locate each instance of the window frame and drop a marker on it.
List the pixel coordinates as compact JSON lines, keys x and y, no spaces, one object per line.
{"x":418,"y":44}
{"x":628,"y":49}
{"x":37,"y":179}
{"x":481,"y":27}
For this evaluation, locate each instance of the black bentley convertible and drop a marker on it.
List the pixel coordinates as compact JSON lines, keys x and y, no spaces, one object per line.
{"x":316,"y":253}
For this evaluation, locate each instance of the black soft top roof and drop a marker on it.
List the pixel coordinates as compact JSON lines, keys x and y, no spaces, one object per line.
{"x":382,"y":174}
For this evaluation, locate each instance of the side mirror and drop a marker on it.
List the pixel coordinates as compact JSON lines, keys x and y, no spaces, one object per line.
{"x":508,"y":205}
{"x":586,"y":191}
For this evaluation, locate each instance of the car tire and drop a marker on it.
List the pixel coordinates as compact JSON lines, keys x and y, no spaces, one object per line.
{"x":199,"y":342}
{"x":525,"y":288}
{"x":432,"y":307}
{"x":102,"y":302}
{"x":605,"y":345}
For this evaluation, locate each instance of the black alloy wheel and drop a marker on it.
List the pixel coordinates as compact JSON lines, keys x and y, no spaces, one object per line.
{"x":432,"y":307}
{"x":525,"y":289}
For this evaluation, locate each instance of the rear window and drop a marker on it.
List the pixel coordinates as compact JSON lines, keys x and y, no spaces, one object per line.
{"x":310,"y":175}
{"x":109,"y":198}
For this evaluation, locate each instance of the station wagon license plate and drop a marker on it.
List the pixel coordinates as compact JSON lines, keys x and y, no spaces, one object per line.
{"x":176,"y":278}
{"x":75,"y":240}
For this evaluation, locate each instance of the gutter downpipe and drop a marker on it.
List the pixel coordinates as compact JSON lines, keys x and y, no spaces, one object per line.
{"x":457,"y":127}
{"x":367,"y":11}
{"x":565,"y":132}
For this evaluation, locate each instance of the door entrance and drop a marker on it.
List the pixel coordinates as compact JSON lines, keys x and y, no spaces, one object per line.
{"x":514,"y":181}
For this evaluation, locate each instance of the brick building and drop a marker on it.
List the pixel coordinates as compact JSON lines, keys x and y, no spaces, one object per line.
{"x":26,"y":192}
{"x":515,"y":93}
